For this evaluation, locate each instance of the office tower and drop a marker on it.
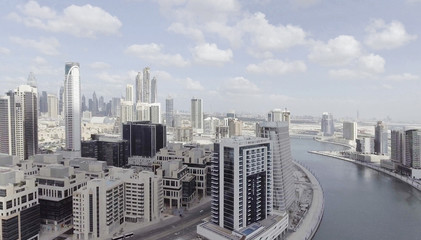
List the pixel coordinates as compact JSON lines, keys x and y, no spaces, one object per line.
{"x":349,"y":131}
{"x":126,"y":111}
{"x":101,"y":104}
{"x":145,"y":138}
{"x":381,"y":139}
{"x":94,"y":105}
{"x":43,"y":102}
{"x":398,"y":148}
{"x":114,"y":151}
{"x":283,"y":182}
{"x":154,"y":90}
{"x":286,"y":116}
{"x":61,"y":101}
{"x":146,"y":88}
{"x":23,"y":118}
{"x":210,"y":124}
{"x":5,"y":125}
{"x":72,"y":106}
{"x":115,"y":107}
{"x":129,"y":93}
{"x":52,"y":106}
{"x":413,"y":148}
{"x":183,"y":134}
{"x":365,"y":145}
{"x":20,"y":213}
{"x":275,"y":115}
{"x":155,"y":111}
{"x":327,"y":126}
{"x":56,"y":184}
{"x":84,"y":107}
{"x":138,"y":87}
{"x":169,"y":112}
{"x":235,"y":127}
{"x":143,"y":112}
{"x":32,"y":80}
{"x":240,"y":198}
{"x":98,"y":208}
{"x":197,"y":115}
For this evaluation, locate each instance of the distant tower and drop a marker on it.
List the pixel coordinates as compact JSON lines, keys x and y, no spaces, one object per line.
{"x":129,"y":93}
{"x":169,"y":112}
{"x":327,"y":126}
{"x":72,"y":106}
{"x":146,"y":88}
{"x":197,"y":114}
{"x":52,"y":106}
{"x":61,"y":101}
{"x":43,"y":102}
{"x":154,"y":92}
{"x":94,"y":104}
{"x":32,"y":81}
{"x":381,"y":139}
{"x":84,"y":107}
{"x":139,"y":87}
{"x":349,"y":131}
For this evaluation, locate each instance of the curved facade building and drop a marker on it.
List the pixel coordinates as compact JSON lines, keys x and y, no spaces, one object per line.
{"x":72,"y":106}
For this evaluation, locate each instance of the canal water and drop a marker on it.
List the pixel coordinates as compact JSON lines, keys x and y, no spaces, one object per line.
{"x":360,"y":203}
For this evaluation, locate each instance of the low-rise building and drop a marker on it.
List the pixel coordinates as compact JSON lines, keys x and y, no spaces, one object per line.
{"x":19,"y":207}
{"x":56,"y":184}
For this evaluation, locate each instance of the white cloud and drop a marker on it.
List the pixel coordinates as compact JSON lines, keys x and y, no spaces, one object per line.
{"x":266,"y":36}
{"x":338,"y":51}
{"x":349,"y":74}
{"x":4,"y":50}
{"x":372,"y":63}
{"x":190,"y":84}
{"x":41,"y":67}
{"x":277,"y":67}
{"x":240,"y":86}
{"x":47,"y":46}
{"x":99,"y":65}
{"x":387,"y":36}
{"x":153,"y":53}
{"x":191,"y":32}
{"x":210,"y":53}
{"x":81,"y":21}
{"x":402,"y":77}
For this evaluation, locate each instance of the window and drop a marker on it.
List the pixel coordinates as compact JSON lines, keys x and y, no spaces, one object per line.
{"x":3,"y":193}
{"x":9,"y":204}
{"x":30,"y":196}
{"x":24,"y":199}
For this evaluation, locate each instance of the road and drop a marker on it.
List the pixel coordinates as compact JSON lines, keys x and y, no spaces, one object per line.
{"x":183,"y":228}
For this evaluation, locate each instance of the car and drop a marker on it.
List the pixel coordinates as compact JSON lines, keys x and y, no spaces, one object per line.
{"x":201,"y":211}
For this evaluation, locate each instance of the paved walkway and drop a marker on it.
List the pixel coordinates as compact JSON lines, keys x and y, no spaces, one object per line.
{"x":314,"y":215}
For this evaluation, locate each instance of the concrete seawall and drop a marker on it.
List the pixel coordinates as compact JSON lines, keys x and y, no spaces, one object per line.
{"x":314,"y":216}
{"x":405,"y":179}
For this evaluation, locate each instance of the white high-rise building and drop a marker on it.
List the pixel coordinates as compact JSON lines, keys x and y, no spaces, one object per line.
{"x":143,"y":111}
{"x":72,"y":106}
{"x":349,"y":131}
{"x":129,"y":93}
{"x":138,"y":87}
{"x":210,"y":124}
{"x":283,"y":182}
{"x":126,"y":111}
{"x":52,"y":106}
{"x":154,"y":90}
{"x":5,"y":125}
{"x":197,"y":115}
{"x":155,"y":111}
{"x":146,"y":87}
{"x":327,"y":125}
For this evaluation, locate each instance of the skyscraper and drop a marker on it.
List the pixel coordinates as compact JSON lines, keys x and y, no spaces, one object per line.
{"x":155,"y":112}
{"x":349,"y":131}
{"x":61,"y":101}
{"x":197,"y":114}
{"x":283,"y":182}
{"x":397,"y":143}
{"x":5,"y":125}
{"x":129,"y":93}
{"x":84,"y":107}
{"x":43,"y":102}
{"x":169,"y":111}
{"x":138,"y":87}
{"x":145,"y":138}
{"x":413,"y":147}
{"x":146,"y":87}
{"x":327,"y":126}
{"x":242,"y":182}
{"x":72,"y":106}
{"x":52,"y":106}
{"x":94,"y":105}
{"x":154,"y":91}
{"x":381,"y":139}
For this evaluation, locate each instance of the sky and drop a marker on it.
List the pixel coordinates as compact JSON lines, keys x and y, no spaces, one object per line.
{"x":310,"y":56}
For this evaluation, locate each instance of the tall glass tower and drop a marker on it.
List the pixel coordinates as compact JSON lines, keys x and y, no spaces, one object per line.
{"x":197,"y":115}
{"x":146,"y":85}
{"x":72,"y":106}
{"x":154,"y":92}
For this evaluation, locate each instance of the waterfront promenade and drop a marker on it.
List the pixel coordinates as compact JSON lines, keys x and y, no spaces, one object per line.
{"x":312,"y":219}
{"x":414,"y":183}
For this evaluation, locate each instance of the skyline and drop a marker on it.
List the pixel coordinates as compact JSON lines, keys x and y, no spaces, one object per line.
{"x":349,"y":56}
